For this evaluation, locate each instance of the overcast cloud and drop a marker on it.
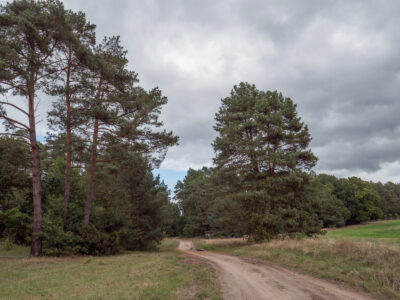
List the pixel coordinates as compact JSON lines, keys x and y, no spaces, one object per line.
{"x":338,"y":60}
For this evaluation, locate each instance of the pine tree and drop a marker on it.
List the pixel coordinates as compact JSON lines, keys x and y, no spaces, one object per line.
{"x":67,"y":85}
{"x":263,"y":142}
{"x":30,"y":32}
{"x":124,"y":117}
{"x":101,"y":84}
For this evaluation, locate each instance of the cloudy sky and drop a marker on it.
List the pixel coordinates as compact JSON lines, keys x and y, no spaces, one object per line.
{"x":338,"y":60}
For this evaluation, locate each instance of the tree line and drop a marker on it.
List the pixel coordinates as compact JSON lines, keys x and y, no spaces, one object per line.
{"x":262,"y":183}
{"x":89,"y":189}
{"x":92,"y":179}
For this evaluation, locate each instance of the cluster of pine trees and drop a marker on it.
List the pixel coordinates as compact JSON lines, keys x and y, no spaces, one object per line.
{"x":262,"y":183}
{"x":89,"y":188}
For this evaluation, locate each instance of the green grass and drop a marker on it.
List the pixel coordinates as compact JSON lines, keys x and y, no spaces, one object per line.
{"x":388,"y":231}
{"x":163,"y":274}
{"x":7,"y":249}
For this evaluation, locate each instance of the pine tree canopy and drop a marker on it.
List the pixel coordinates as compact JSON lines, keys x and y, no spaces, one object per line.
{"x":263,"y":142}
{"x":260,"y":133}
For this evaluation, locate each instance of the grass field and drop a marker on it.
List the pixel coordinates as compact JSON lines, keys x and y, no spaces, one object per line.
{"x":365,"y":257}
{"x":164,"y":274}
{"x":388,"y":231}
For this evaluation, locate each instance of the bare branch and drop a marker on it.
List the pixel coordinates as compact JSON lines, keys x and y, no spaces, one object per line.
{"x":16,"y":107}
{"x":16,"y":126}
{"x":14,"y":121}
{"x":37,"y":105}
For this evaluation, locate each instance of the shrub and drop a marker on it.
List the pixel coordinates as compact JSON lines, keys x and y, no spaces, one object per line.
{"x":17,"y":226}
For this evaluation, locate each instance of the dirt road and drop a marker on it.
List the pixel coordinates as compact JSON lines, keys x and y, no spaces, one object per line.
{"x":241,"y":279}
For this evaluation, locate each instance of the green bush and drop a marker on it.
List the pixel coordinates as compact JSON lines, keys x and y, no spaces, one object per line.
{"x":56,"y":242}
{"x":17,"y":226}
{"x":98,"y":242}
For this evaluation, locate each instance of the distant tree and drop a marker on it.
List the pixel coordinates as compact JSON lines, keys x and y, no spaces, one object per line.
{"x":390,"y":198}
{"x":195,"y":195}
{"x":363,"y":201}
{"x":207,"y":201}
{"x":359,"y":197}
{"x":264,"y":143}
{"x":331,"y":210}
{"x":172,"y":226}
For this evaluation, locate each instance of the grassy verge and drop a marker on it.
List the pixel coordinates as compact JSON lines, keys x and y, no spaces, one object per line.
{"x":8,"y":249}
{"x":164,"y":274}
{"x":373,"y":267}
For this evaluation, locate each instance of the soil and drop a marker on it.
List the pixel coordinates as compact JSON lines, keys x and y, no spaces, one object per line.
{"x":246,"y":279}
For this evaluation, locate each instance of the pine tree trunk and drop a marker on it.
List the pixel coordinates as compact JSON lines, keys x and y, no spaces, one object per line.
{"x":67,"y":189}
{"x":36,"y":245}
{"x":92,"y":176}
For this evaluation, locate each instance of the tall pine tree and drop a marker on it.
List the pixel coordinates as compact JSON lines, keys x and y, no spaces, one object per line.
{"x":75,"y":61}
{"x":30,"y":32}
{"x":263,"y":142}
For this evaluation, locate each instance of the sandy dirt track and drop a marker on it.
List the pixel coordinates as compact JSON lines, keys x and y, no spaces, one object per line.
{"x":246,"y":280}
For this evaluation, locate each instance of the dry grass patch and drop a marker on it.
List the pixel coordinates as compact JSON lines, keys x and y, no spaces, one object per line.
{"x":224,"y":241}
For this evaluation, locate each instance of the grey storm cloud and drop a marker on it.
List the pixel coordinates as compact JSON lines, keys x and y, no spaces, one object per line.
{"x":338,"y":60}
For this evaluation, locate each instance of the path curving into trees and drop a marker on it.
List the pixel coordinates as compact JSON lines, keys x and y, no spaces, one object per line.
{"x":245,"y":279}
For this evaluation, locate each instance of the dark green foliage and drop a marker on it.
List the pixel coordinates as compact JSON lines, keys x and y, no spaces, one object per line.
{"x":331,"y":210}
{"x":129,"y":212}
{"x":31,"y":36}
{"x":15,"y":179}
{"x":263,"y":142}
{"x":359,"y":197}
{"x":146,"y":199}
{"x":262,"y":184}
{"x":390,"y":199}
{"x":16,"y":225}
{"x":15,"y":191}
{"x":106,"y":138}
{"x":195,"y":196}
{"x":364,"y":201}
{"x":173,"y":220}
{"x":58,"y":242}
